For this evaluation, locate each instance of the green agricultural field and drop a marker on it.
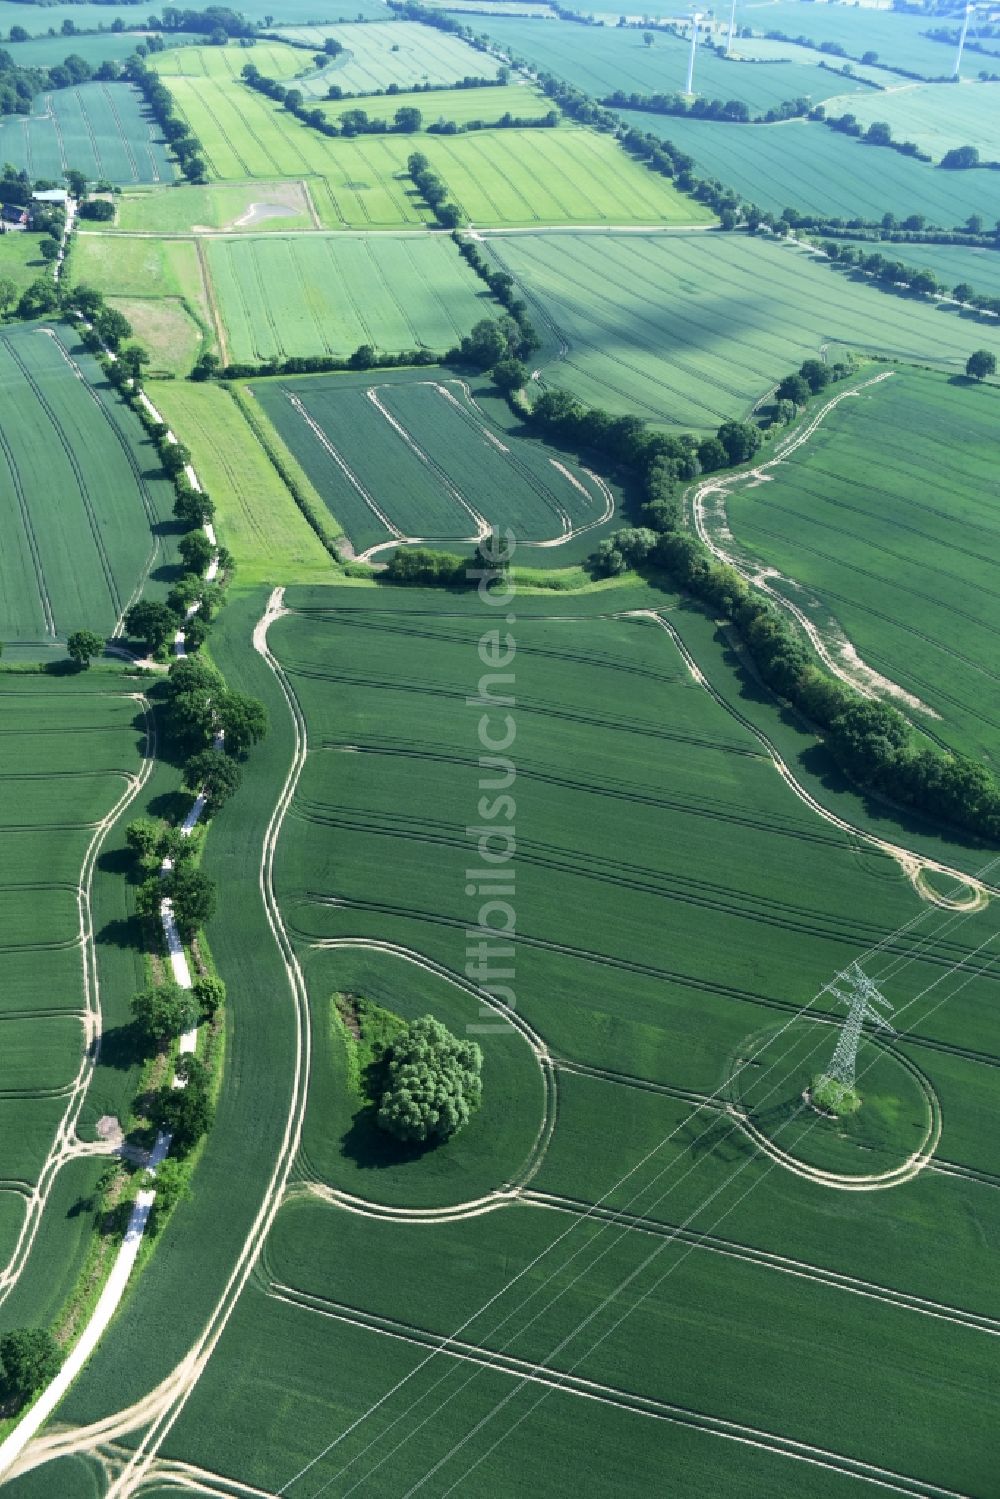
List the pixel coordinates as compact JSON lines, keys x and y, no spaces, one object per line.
{"x":457,"y":104}
{"x":688,"y":329}
{"x":903,"y":563}
{"x":952,"y":264}
{"x":225,"y":63}
{"x":262,"y":526}
{"x":54,"y":806}
{"x":100,"y":129}
{"x":415,"y":456}
{"x":247,"y":207}
{"x":601,"y":59}
{"x":564,"y":176}
{"x":48,"y":51}
{"x":936,"y":116}
{"x":723,"y":951}
{"x":692,"y":812}
{"x":84,"y":504}
{"x":377,"y":55}
{"x":510,"y":177}
{"x":760,"y":49}
{"x":326,"y":294}
{"x":20,"y":261}
{"x":816,"y":170}
{"x":158,"y":285}
{"x":898,"y":38}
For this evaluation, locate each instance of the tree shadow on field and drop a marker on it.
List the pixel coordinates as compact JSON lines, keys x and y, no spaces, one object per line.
{"x":117,"y":861}
{"x":371,"y":1148}
{"x":172,"y":806}
{"x":123,"y":932}
{"x":123,"y":1046}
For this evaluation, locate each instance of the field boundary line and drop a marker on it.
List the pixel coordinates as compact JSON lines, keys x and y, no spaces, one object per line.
{"x":210,"y":297}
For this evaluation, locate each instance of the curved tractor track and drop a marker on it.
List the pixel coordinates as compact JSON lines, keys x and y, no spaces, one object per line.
{"x":839,"y":657}
{"x":914,"y":866}
{"x":156,"y":1413}
{"x":66,"y":1146}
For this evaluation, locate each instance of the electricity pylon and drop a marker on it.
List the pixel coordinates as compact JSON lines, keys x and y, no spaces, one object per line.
{"x":862,"y":998}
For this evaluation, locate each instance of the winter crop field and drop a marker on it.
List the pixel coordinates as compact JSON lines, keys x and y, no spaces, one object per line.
{"x":517,"y":177}
{"x":937,"y":117}
{"x":814,"y":169}
{"x":853,"y":510}
{"x":86,"y":743}
{"x":377,"y":56}
{"x":499,"y":880}
{"x":601,"y":59}
{"x":365,"y":877}
{"x":332,"y":293}
{"x":898,"y":38}
{"x":85,"y":519}
{"x":443,"y":105}
{"x":417,"y":457}
{"x":100,"y":129}
{"x":741,"y":312}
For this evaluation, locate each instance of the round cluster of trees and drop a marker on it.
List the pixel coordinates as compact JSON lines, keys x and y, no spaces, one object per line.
{"x":433,"y":1083}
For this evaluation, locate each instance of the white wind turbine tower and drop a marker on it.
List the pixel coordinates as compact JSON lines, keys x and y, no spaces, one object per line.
{"x":695,"y":23}
{"x":961,"y":41}
{"x":732,"y":28}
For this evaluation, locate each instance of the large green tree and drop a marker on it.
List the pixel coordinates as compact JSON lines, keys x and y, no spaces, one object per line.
{"x":151,"y":622}
{"x":29,"y":1358}
{"x":243,"y":720}
{"x":980,"y":364}
{"x":165,"y":1010}
{"x":433,"y":1083}
{"x":216,"y":775}
{"x":83,"y":646}
{"x":193,"y":897}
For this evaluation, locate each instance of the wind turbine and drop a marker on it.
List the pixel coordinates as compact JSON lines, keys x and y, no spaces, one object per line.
{"x":732,"y":28}
{"x":695,"y":23}
{"x":961,"y":41}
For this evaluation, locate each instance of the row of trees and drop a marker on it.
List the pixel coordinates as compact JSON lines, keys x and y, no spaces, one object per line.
{"x":429,"y":568}
{"x":518,"y":347}
{"x":872,"y":741}
{"x":732,"y":111}
{"x":178,"y":134}
{"x":893,"y":273}
{"x":406,"y":121}
{"x":432,"y":190}
{"x":878,"y":133}
{"x":365,"y":357}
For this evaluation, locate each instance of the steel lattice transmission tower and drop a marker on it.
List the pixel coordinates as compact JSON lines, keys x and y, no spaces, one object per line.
{"x":856,"y":990}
